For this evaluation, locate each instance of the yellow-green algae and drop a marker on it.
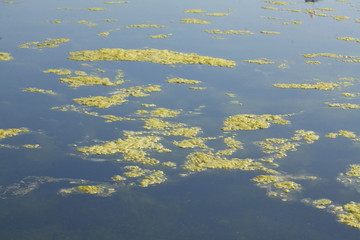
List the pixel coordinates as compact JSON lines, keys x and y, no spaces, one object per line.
{"x":321,"y":203}
{"x":344,"y":133}
{"x":237,"y":32}
{"x":114,"y":2}
{"x":194,"y":11}
{"x":150,"y":177}
{"x":253,"y":122}
{"x":183,"y":81}
{"x":349,"y":39}
{"x":161,"y":36}
{"x":145,"y":26}
{"x":351,"y":215}
{"x":91,"y":189}
{"x":164,"y":113}
{"x":194,"y":21}
{"x":329,"y":55}
{"x":344,"y":105}
{"x":31,"y":146}
{"x":119,"y":98}
{"x":148,"y":55}
{"x":266,"y":179}
{"x":287,"y":186}
{"x":312,"y":62}
{"x":269,"y":32}
{"x":346,"y":94}
{"x":90,"y":24}
{"x":11,"y":132}
{"x":318,"y":85}
{"x":133,"y":148}
{"x":185,"y":132}
{"x":58,"y":71}
{"x":217,"y":14}
{"x":200,"y":161}
{"x":192,"y":143}
{"x":197,"y":88}
{"x":5,"y":56}
{"x":279,"y":3}
{"x":48,"y":43}
{"x":80,"y":81}
{"x":96,"y":9}
{"x":118,"y":178}
{"x":156,"y":123}
{"x":38,"y":90}
{"x":260,"y":61}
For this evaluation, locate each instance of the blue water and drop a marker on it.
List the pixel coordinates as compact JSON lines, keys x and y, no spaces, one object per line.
{"x":214,"y":204}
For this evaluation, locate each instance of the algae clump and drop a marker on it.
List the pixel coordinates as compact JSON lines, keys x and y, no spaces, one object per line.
{"x":91,"y":189}
{"x":319,"y":85}
{"x":11,"y":132}
{"x":352,"y":215}
{"x":38,"y":90}
{"x":48,"y":43}
{"x":252,"y":121}
{"x":80,"y":81}
{"x":5,"y":56}
{"x":182,"y":81}
{"x":194,"y":21}
{"x":166,"y":57}
{"x":260,"y":61}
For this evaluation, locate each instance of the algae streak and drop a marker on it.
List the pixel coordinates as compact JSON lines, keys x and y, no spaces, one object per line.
{"x":148,"y":55}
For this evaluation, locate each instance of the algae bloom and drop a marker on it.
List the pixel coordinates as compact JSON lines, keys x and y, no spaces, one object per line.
{"x":166,"y":57}
{"x":252,"y":122}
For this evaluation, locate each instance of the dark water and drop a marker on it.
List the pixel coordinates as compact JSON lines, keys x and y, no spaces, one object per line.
{"x":214,"y":204}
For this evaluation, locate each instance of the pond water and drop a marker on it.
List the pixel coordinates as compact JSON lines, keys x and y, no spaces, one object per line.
{"x":179,"y":119}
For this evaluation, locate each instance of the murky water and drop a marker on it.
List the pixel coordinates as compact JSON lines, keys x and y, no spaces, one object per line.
{"x":108,"y":147}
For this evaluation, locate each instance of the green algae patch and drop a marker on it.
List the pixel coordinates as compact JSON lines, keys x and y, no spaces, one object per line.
{"x":101,"y":101}
{"x":80,"y":81}
{"x":11,"y":132}
{"x":321,"y":203}
{"x":194,"y":21}
{"x":161,"y":36}
{"x":158,"y":124}
{"x":90,"y":189}
{"x":164,"y":113}
{"x":328,"y":55}
{"x":118,"y":178}
{"x":269,"y":32}
{"x":253,"y":122}
{"x":344,"y":105}
{"x":48,"y":43}
{"x":185,"y":132}
{"x":148,"y":55}
{"x":31,"y":146}
{"x":182,"y":81}
{"x":351,"y":215}
{"x":266,"y":179}
{"x":38,"y":90}
{"x":235,"y":32}
{"x":200,"y":161}
{"x":90,"y":24}
{"x":145,"y":26}
{"x":5,"y":56}
{"x":319,"y":85}
{"x":344,"y":133}
{"x":217,"y":14}
{"x":192,"y":143}
{"x":133,"y":148}
{"x":156,"y":177}
{"x":349,"y":39}
{"x":96,"y":9}
{"x":62,"y":71}
{"x":287,"y":186}
{"x":279,"y":3}
{"x":312,"y":62}
{"x":194,"y":11}
{"x":260,"y":61}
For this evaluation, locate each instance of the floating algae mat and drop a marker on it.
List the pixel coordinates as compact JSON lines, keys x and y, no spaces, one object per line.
{"x":140,"y":119}
{"x":148,"y":55}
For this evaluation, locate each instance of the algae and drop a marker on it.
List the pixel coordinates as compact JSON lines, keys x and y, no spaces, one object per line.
{"x":58,"y":71}
{"x":344,"y":105}
{"x":145,"y":26}
{"x":11,"y":132}
{"x":161,"y":36}
{"x":182,"y":81}
{"x":194,"y":11}
{"x":38,"y":90}
{"x":319,"y":85}
{"x":80,"y":81}
{"x":148,"y":55}
{"x":236,"y":32}
{"x":351,"y":215}
{"x":194,"y":21}
{"x":269,"y":32}
{"x":5,"y":56}
{"x":260,"y":61}
{"x":48,"y":43}
{"x":164,"y":113}
{"x":252,"y":121}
